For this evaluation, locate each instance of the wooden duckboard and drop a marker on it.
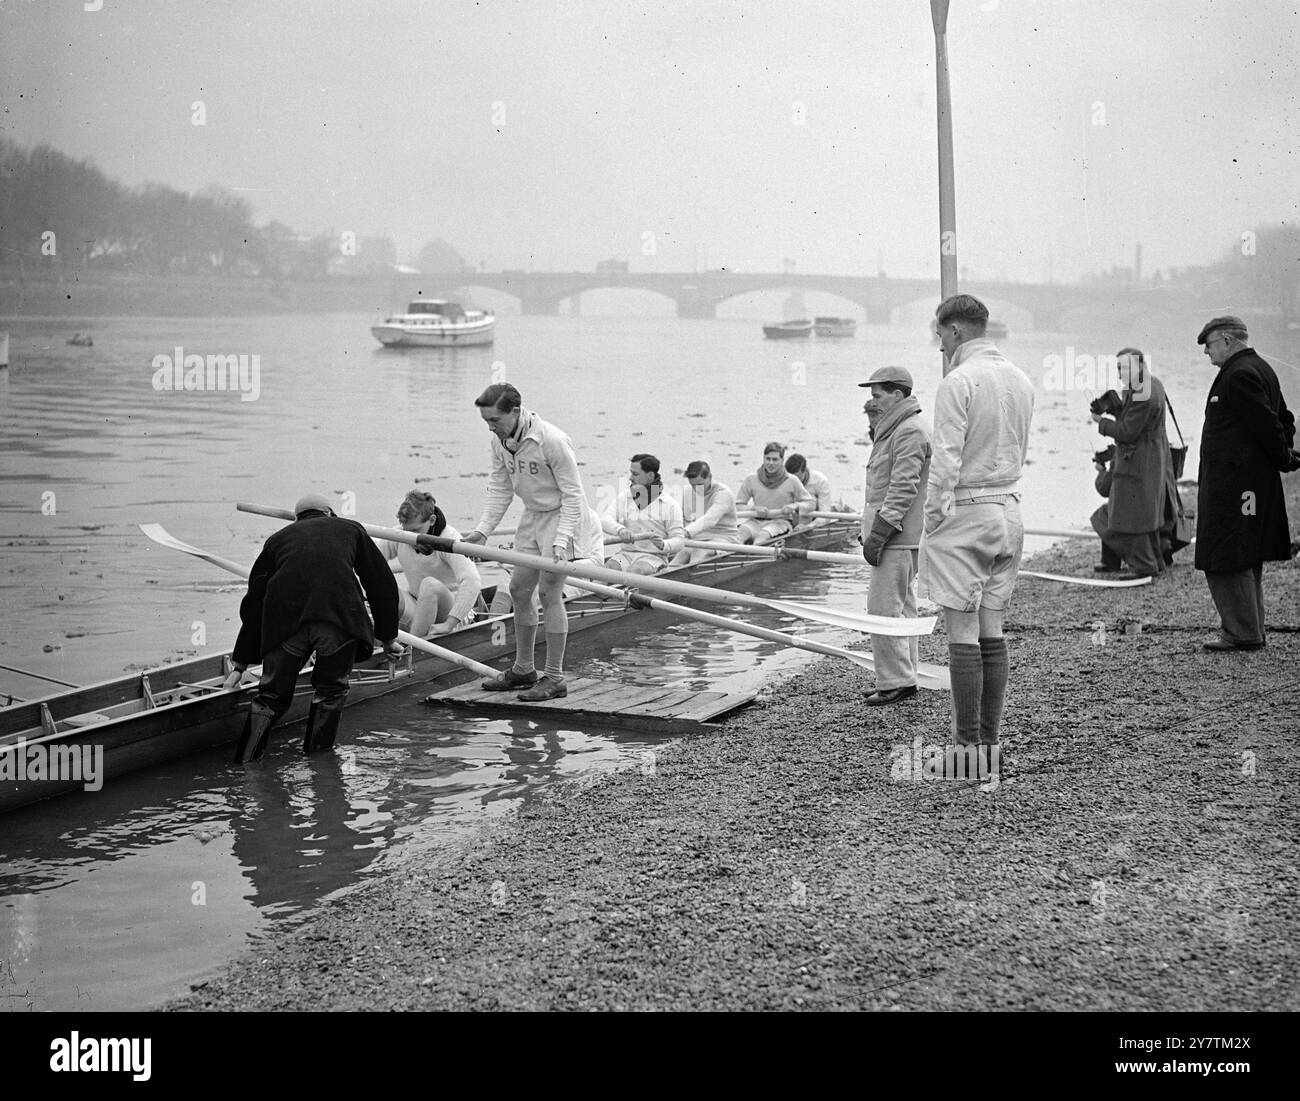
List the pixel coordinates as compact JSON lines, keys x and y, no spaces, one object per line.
{"x":656,"y":710}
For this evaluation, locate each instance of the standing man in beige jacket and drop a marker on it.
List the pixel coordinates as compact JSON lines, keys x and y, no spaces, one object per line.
{"x":891,"y":523}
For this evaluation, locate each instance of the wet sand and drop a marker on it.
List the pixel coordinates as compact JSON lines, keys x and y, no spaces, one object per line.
{"x":1137,"y":854}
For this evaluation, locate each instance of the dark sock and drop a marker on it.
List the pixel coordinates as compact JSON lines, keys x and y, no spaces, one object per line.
{"x":993,"y":653}
{"x":966,"y":668}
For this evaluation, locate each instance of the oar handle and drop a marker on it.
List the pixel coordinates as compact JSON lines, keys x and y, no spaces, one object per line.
{"x":417,"y":643}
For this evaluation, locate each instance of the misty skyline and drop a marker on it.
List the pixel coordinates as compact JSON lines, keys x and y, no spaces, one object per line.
{"x":555,"y":135}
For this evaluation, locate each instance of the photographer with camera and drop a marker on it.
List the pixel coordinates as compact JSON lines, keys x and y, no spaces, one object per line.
{"x":1138,"y":469}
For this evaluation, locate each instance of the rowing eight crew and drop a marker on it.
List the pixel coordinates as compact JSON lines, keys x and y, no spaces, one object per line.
{"x":442,"y":591}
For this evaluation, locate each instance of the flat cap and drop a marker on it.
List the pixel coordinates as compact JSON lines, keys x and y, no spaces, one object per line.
{"x":313,"y":502}
{"x":900,"y":375}
{"x":1226,"y":322}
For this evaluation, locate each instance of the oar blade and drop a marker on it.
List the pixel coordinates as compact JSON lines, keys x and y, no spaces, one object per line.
{"x":935,"y":677}
{"x":900,"y":626}
{"x":1093,"y":582}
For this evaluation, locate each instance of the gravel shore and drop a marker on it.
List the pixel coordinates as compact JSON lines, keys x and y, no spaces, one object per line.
{"x":1139,"y":852}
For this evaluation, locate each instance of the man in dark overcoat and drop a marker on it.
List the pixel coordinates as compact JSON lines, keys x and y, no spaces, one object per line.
{"x":1241,"y":520}
{"x":304,"y":597}
{"x":1142,"y":490}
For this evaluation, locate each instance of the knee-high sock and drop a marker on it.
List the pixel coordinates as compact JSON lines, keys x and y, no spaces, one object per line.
{"x":993,"y":699}
{"x":525,"y":642}
{"x":557,"y":634}
{"x":555,"y":642}
{"x":966,"y":668}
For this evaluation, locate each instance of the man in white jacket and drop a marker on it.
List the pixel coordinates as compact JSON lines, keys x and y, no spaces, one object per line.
{"x":973,"y":530}
{"x":647,"y":521}
{"x":534,"y":460}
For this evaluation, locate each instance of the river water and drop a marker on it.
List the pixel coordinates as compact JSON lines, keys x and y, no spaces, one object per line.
{"x":117,"y":899}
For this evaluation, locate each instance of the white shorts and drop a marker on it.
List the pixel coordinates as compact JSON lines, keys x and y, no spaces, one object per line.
{"x":971,"y":559}
{"x":536,"y":535}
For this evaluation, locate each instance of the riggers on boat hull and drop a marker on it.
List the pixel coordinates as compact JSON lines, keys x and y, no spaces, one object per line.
{"x":177,"y":710}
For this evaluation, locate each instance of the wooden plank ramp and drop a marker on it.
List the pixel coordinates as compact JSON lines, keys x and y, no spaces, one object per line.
{"x":651,"y":710}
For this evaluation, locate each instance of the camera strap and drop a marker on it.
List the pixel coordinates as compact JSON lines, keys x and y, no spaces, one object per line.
{"x":1170,"y":406}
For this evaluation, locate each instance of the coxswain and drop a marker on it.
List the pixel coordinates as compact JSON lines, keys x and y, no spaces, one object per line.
{"x":440,"y":591}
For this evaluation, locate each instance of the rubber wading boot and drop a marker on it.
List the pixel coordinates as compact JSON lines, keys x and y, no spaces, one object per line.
{"x":322,"y":727}
{"x":252,"y":742}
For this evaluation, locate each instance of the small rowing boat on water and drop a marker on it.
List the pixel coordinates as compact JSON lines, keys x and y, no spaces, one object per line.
{"x":789,"y":330}
{"x":839,"y":328}
{"x":79,"y":738}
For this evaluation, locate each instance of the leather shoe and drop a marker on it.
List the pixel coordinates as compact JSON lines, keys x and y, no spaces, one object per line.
{"x":505,"y":682}
{"x":890,"y":695}
{"x":1220,"y":643}
{"x":548,"y":688}
{"x":1104,"y":568}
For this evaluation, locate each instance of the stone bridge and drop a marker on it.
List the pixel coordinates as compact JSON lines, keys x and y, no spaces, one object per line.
{"x":697,"y":294}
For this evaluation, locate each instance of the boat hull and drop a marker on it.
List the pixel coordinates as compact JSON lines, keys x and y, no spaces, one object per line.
{"x":834,"y":328}
{"x":444,"y":336}
{"x":177,"y":710}
{"x":799,"y":330}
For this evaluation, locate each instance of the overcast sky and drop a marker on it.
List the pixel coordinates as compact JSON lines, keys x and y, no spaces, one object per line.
{"x":556,"y":133}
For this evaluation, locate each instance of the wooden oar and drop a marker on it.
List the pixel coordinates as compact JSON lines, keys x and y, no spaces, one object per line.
{"x":1059,"y":533}
{"x":161,"y":536}
{"x":40,"y":676}
{"x":792,"y":552}
{"x":927,"y":675}
{"x":870,"y":624}
{"x":1097,"y":582}
{"x":750,"y":513}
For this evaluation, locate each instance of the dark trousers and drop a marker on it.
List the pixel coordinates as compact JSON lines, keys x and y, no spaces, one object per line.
{"x":281,"y":666}
{"x":1239,"y":597}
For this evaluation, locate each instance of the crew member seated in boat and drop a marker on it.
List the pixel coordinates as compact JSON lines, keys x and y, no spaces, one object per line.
{"x":439,"y":591}
{"x":814,"y":481}
{"x":708,"y":511}
{"x":304,"y":597}
{"x":646,"y":519}
{"x":779,"y":498}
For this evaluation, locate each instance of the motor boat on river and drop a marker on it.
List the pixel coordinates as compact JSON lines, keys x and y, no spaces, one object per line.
{"x":435,"y":323}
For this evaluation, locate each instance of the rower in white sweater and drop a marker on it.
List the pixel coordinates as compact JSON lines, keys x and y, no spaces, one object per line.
{"x":646,"y":519}
{"x":814,"y":481}
{"x":709,"y":511}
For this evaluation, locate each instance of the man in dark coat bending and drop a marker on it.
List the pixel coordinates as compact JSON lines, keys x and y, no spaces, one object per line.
{"x":1241,"y":513}
{"x":302,"y":597}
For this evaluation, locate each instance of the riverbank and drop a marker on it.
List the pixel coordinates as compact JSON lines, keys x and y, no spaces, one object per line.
{"x":127,"y":294}
{"x":1138,"y":853}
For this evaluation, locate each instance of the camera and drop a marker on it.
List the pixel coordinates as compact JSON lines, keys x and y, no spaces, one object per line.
{"x":1109,"y":403}
{"x":1107,"y":456}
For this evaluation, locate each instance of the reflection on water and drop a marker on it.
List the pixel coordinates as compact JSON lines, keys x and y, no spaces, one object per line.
{"x":118,"y":899}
